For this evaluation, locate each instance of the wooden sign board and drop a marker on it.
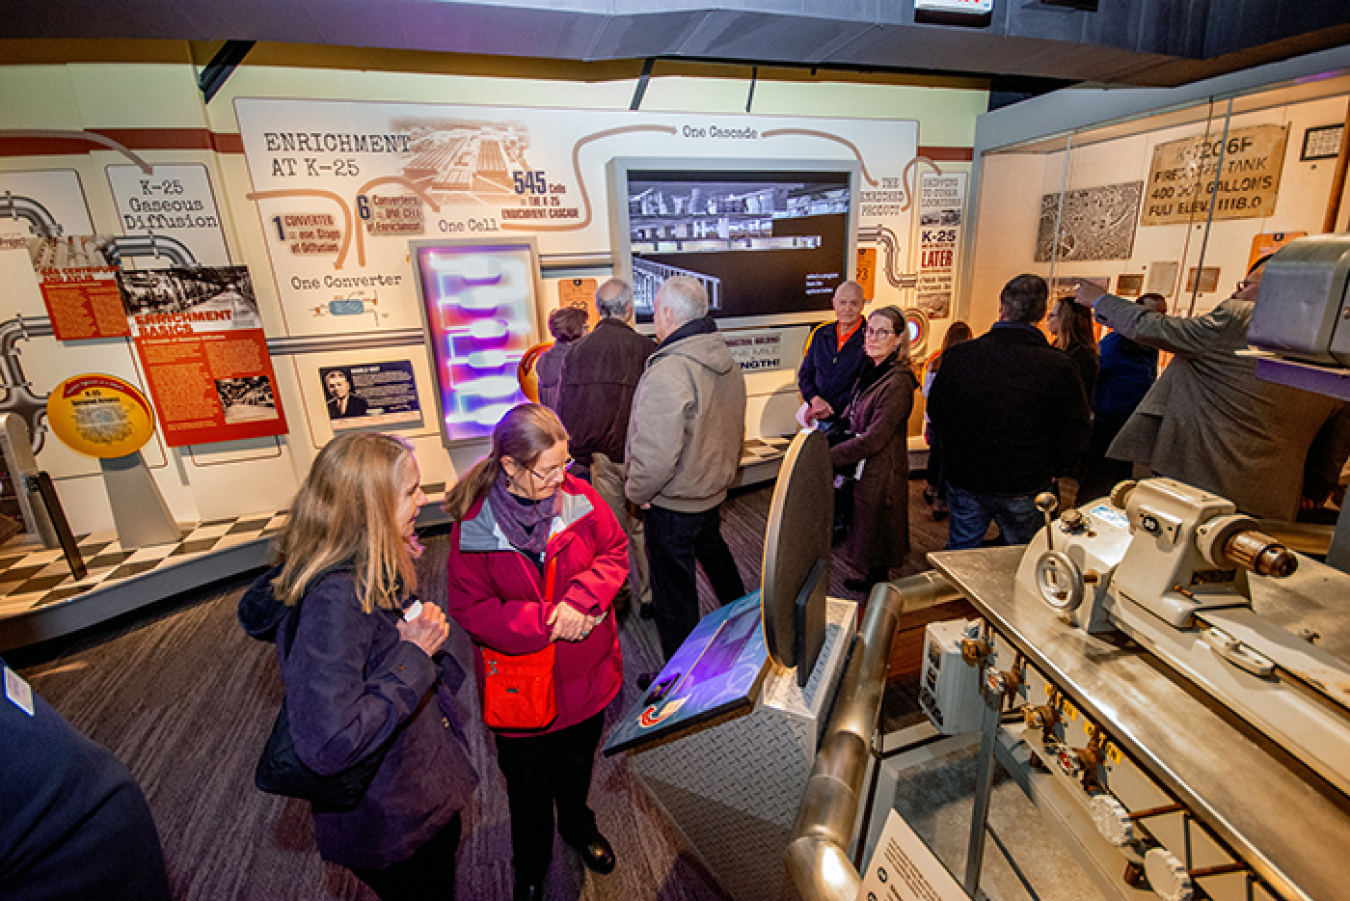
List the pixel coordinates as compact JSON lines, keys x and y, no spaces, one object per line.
{"x":1239,"y":175}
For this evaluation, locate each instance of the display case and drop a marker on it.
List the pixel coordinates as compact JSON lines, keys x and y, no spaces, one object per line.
{"x":1175,"y":192}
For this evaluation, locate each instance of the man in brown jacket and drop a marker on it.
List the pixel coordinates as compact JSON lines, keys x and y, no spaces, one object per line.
{"x":595,"y":397}
{"x":684,"y":451}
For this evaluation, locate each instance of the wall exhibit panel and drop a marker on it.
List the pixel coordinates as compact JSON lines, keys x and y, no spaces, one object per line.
{"x":155,"y":104}
{"x":136,"y":95}
{"x":38,"y":97}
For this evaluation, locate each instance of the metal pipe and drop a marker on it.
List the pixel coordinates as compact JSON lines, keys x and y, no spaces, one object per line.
{"x":817,"y":855}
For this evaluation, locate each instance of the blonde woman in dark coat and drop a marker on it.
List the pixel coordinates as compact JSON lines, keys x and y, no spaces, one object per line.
{"x":879,"y":416}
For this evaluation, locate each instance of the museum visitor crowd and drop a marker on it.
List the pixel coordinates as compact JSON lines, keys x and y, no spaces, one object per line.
{"x":609,"y":493}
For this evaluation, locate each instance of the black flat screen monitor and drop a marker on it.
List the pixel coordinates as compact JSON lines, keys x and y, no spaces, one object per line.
{"x":769,"y":240}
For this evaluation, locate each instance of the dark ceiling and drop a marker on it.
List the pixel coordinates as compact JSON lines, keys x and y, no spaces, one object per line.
{"x":1132,"y":42}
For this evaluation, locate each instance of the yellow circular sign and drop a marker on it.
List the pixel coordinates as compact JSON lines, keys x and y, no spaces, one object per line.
{"x":100,"y":415}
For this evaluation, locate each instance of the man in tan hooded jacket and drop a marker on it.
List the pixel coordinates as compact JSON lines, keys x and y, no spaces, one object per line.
{"x":684,"y":449}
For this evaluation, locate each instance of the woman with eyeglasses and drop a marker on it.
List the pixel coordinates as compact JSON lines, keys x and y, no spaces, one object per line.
{"x":536,"y":557}
{"x":877,"y":455}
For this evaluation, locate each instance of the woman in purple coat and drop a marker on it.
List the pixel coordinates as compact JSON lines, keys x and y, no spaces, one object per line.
{"x":878,"y":453}
{"x":364,"y":669}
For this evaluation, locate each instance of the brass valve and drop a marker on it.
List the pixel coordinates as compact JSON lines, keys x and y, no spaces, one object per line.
{"x":1040,"y":717}
{"x":974,"y":650}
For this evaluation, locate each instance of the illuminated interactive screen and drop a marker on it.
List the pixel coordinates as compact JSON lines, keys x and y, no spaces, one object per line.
{"x":719,"y":669}
{"x":478,"y":310}
{"x":766,"y":238}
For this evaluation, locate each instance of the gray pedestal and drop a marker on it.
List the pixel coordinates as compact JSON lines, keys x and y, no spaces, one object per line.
{"x":139,"y":512}
{"x":733,"y":788}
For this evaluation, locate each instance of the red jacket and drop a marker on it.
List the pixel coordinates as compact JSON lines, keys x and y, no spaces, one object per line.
{"x":497,"y":595}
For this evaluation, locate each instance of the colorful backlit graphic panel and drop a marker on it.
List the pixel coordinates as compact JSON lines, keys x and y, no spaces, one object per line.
{"x":479,"y":307}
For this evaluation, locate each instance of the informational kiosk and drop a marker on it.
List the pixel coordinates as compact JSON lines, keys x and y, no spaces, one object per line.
{"x":725,"y":737}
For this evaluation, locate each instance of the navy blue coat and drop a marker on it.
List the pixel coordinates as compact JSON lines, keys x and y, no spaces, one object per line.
{"x":828,"y":370}
{"x":74,"y":825}
{"x":351,"y":683}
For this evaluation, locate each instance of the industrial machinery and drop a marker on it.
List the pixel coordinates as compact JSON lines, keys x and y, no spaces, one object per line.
{"x":1168,"y":565}
{"x":1171,"y":687}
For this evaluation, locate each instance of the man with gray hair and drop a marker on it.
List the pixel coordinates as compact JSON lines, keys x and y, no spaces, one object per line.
{"x":684,"y":451}
{"x":595,"y":396}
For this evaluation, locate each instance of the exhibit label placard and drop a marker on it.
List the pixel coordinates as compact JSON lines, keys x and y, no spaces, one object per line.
{"x":941,"y":201}
{"x":100,"y":415}
{"x":1239,"y":175}
{"x":903,"y":868}
{"x":372,"y":394}
{"x":79,"y":287}
{"x":201,"y":343}
{"x":757,"y":350}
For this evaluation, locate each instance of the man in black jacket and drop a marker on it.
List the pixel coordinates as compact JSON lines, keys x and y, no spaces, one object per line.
{"x":1012,"y":414}
{"x":595,"y":399}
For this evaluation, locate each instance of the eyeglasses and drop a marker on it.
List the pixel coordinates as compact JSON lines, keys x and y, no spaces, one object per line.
{"x":555,"y":472}
{"x":879,"y":332}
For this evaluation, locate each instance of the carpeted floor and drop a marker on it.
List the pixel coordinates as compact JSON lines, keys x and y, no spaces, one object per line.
{"x":185,"y":699}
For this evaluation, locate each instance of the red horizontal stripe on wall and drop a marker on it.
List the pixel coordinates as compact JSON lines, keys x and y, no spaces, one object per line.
{"x":226,"y":142}
{"x":158,"y":138}
{"x":948,"y":154}
{"x":45,"y":146}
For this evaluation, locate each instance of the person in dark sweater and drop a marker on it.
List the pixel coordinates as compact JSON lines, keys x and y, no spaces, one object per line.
{"x":365,"y":668}
{"x":74,"y":825}
{"x":834,"y":357}
{"x":1012,"y":414}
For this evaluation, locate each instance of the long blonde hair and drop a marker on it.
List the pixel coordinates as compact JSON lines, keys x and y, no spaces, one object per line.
{"x":523,"y":434}
{"x":346,"y":512}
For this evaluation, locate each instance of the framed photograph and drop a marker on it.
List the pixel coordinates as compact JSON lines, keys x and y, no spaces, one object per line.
{"x":480,"y":314}
{"x":371,"y":394}
{"x":1322,"y":142}
{"x":1129,"y":284}
{"x":1207,"y":278}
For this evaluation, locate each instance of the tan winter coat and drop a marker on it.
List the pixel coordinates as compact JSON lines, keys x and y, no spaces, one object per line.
{"x":687,"y":427}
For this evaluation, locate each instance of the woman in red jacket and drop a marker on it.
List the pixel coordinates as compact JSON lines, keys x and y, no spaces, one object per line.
{"x":536,"y":557}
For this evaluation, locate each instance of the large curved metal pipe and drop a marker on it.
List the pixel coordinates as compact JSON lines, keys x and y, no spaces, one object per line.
{"x":152,"y":246}
{"x":40,"y":220}
{"x":817,"y":854}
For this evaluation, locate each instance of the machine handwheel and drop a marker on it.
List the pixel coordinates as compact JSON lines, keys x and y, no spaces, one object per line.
{"x":1059,"y":581}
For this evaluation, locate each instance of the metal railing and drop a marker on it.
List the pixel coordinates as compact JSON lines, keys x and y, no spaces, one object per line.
{"x":817,"y":854}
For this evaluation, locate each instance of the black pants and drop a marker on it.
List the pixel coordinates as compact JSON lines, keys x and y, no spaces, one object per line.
{"x":541,"y":771}
{"x":429,"y":874}
{"x":675,"y":542}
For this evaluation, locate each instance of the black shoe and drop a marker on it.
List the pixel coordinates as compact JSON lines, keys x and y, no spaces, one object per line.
{"x":528,"y":891}
{"x":863,"y":586}
{"x":647,"y":611}
{"x":597,"y":855}
{"x":645,"y":680}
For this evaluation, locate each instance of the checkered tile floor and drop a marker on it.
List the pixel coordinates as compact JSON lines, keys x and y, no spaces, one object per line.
{"x":40,"y":577}
{"x":764,"y":450}
{"x":33,"y":579}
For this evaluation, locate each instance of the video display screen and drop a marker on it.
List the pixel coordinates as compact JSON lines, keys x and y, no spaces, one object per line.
{"x":762,"y":241}
{"x":478,"y":303}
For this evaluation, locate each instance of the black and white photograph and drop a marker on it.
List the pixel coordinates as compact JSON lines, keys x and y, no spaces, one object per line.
{"x":247,"y":399}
